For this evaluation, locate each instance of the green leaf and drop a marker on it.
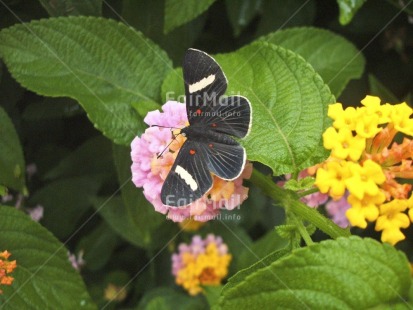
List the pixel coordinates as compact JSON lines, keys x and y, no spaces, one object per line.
{"x":166,"y":298}
{"x":267,"y":244}
{"x":348,"y":8}
{"x":378,"y":89}
{"x":65,"y":202}
{"x":102,"y":64}
{"x":136,"y":214}
{"x":144,"y":107}
{"x":3,"y":191}
{"x":241,"y":13}
{"x":179,"y":12}
{"x":73,"y":7}
{"x":289,"y":103}
{"x":94,"y":157}
{"x":114,"y":212}
{"x":299,"y":185}
{"x":141,"y":15}
{"x":281,"y":14}
{"x":348,"y":273}
{"x":44,"y":277}
{"x":173,"y":86}
{"x":12,"y":166}
{"x":212,"y":294}
{"x":240,"y":276}
{"x":52,"y":108}
{"x":98,"y":246}
{"x":333,"y":57}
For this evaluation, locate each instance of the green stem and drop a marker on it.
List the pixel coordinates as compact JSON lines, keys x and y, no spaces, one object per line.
{"x":307,"y":192}
{"x":289,"y":199}
{"x":303,"y":231}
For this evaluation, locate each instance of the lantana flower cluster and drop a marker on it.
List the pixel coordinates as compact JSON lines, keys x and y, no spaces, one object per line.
{"x":204,"y":262}
{"x":367,"y":163}
{"x":6,"y":268}
{"x":150,"y":171}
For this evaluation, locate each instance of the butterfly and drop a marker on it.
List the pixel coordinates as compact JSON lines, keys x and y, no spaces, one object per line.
{"x":213,"y":121}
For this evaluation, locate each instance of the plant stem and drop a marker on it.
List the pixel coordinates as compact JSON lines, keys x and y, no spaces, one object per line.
{"x":307,"y":192}
{"x":290,"y":200}
{"x":303,"y":231}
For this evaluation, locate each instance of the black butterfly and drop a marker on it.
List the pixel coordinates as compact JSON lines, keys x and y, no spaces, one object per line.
{"x":213,"y":119}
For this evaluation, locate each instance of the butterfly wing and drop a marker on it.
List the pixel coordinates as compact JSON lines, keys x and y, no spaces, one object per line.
{"x":226,"y":157}
{"x":232,"y":116}
{"x":189,"y":178}
{"x":205,"y":82}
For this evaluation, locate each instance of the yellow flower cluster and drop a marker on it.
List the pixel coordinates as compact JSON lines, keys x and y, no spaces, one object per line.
{"x":6,"y":267}
{"x":205,"y":269}
{"x":366,"y":163}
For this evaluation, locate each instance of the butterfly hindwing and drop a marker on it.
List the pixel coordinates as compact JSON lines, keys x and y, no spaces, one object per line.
{"x":225,"y":160}
{"x":189,"y":177}
{"x":205,"y":82}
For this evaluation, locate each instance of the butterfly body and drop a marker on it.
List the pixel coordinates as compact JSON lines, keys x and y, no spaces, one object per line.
{"x":197,"y":133}
{"x":213,"y":122}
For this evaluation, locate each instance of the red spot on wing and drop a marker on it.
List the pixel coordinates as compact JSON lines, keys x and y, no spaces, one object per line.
{"x":192,"y":152}
{"x":211,"y":145}
{"x":214,"y":125}
{"x":199,"y":111}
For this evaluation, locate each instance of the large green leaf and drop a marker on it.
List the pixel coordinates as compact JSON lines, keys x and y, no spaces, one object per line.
{"x":44,"y":277}
{"x":103,"y":64}
{"x":348,"y":273}
{"x":178,"y":12}
{"x":65,"y":202}
{"x":333,"y":57}
{"x":98,"y":246}
{"x":12,"y":167}
{"x":92,"y":157}
{"x":73,"y":7}
{"x":52,"y":108}
{"x":289,"y":103}
{"x":348,"y":8}
{"x":240,"y":276}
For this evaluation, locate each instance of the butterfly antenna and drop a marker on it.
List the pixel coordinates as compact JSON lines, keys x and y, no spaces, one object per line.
{"x":166,"y":147}
{"x":164,"y":127}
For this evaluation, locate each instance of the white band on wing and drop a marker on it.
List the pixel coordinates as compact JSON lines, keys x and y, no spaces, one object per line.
{"x":186,"y":177}
{"x":202,"y":83}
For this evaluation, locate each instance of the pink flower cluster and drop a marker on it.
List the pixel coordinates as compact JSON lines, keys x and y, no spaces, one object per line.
{"x":150,"y":172}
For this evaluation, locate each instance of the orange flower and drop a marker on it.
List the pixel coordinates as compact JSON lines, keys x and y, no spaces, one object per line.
{"x":6,"y":267}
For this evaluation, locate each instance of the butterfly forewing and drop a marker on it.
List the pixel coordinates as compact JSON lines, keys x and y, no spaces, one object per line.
{"x":189,"y":177}
{"x":232,"y":116}
{"x":205,"y":82}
